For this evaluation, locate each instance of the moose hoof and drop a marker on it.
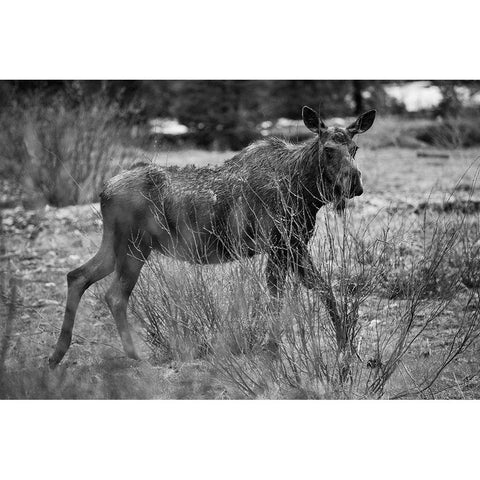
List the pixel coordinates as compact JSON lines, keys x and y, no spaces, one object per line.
{"x":53,"y":362}
{"x":133,"y":355}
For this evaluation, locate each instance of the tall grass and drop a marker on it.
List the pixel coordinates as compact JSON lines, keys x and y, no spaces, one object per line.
{"x":398,"y":283}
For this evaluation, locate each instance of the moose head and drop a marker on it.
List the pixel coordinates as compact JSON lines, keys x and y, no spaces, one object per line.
{"x":339,"y":175}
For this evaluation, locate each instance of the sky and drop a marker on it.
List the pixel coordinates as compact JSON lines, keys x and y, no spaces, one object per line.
{"x":416,"y":95}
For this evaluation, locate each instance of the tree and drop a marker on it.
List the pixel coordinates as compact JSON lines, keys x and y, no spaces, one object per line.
{"x":220,"y":113}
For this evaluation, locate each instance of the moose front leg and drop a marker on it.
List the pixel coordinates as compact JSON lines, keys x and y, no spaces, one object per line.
{"x":312,"y":279}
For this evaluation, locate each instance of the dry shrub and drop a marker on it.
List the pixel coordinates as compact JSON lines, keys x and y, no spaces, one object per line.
{"x":451,"y":133}
{"x":396,"y":288}
{"x":184,"y":308}
{"x":62,"y":151}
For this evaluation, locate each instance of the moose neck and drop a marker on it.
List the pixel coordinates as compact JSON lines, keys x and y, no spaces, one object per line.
{"x":308,"y":174}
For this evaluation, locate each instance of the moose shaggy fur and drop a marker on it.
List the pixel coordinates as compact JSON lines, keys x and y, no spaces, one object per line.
{"x":263,"y":200}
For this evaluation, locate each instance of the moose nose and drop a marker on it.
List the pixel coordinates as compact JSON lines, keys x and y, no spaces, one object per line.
{"x":356,"y":186}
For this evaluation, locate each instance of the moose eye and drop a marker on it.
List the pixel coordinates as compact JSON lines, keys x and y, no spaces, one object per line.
{"x":329,"y":150}
{"x":354,"y":151}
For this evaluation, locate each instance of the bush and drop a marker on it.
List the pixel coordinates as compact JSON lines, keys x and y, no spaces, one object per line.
{"x":63,"y":151}
{"x":300,"y":349}
{"x":453,"y":133}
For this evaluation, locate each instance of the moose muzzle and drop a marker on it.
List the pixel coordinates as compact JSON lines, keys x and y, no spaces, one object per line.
{"x":356,"y":184}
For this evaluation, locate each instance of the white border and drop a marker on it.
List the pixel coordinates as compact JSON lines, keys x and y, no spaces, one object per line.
{"x":248,"y":39}
{"x":239,"y":439}
{"x":147,"y":39}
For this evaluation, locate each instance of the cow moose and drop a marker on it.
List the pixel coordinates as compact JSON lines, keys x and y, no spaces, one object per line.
{"x":262,"y":200}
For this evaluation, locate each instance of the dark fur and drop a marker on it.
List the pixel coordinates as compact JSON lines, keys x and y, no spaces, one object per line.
{"x":231,"y":210}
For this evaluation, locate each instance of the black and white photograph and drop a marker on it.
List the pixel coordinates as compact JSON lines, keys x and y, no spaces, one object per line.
{"x":228,"y":239}
{"x":239,"y":240}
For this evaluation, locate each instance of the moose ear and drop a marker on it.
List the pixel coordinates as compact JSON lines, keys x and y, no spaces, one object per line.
{"x":362,"y":123}
{"x":312,"y":120}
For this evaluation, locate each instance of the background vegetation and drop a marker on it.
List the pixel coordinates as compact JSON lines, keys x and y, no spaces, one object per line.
{"x":226,"y":114}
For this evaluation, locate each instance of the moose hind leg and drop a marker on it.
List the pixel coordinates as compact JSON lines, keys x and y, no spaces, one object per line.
{"x":126,"y":275}
{"x":78,"y":280}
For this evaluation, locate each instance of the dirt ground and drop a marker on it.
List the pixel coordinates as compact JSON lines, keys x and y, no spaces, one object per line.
{"x":41,"y":246}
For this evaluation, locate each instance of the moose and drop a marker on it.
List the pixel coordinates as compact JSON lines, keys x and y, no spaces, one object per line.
{"x":262,"y":200}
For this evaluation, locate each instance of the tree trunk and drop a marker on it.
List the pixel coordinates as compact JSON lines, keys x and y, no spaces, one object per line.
{"x":357,"y":96}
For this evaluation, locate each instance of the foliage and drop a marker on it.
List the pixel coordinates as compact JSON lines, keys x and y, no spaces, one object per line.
{"x":60,"y":149}
{"x":451,"y":133}
{"x":221,"y":114}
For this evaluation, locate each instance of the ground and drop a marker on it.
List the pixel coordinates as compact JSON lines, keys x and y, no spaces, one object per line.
{"x":41,"y":246}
